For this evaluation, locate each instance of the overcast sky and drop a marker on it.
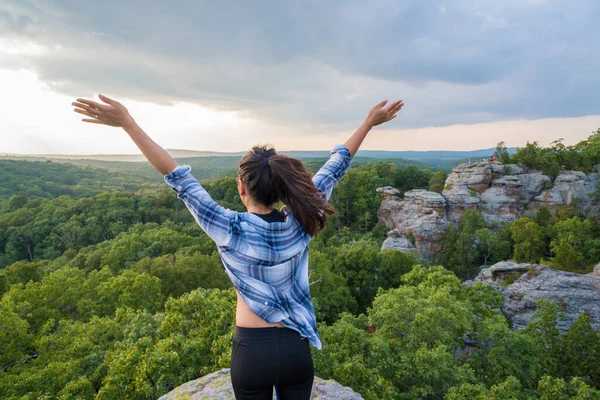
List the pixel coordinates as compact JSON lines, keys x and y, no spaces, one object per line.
{"x":224,"y":75}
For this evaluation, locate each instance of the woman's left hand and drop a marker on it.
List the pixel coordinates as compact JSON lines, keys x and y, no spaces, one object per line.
{"x":380,"y":114}
{"x":112,"y":113}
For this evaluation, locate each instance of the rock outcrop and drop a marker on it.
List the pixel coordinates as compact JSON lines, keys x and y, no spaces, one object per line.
{"x":397,"y":240}
{"x":420,"y":216}
{"x":523,"y":285}
{"x":503,"y":193}
{"x":218,"y":386}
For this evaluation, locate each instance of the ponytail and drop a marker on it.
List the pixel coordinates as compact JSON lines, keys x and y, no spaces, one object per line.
{"x":270,"y":177}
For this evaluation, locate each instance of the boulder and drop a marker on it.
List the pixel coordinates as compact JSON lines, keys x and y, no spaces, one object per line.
{"x":218,"y":386}
{"x":396,"y":240}
{"x":523,"y":285}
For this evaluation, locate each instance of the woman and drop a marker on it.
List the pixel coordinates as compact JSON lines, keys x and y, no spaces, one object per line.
{"x":264,"y":251}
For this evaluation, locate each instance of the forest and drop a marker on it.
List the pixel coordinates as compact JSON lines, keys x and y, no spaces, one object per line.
{"x":110,"y":290}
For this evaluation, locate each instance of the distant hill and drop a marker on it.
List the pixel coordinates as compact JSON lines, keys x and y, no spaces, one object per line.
{"x":435,"y":156}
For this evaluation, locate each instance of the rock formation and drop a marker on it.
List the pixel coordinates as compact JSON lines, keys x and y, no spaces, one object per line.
{"x":503,"y":193}
{"x":421,"y":216}
{"x":397,"y":240}
{"x":522,"y":285}
{"x":218,"y":386}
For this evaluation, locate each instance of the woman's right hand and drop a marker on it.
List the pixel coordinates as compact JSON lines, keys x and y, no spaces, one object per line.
{"x":112,"y":113}
{"x":380,"y":114}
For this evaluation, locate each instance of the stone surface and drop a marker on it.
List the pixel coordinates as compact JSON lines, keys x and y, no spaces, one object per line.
{"x":421,"y":214}
{"x":574,"y":293}
{"x":532,"y":185}
{"x":396,"y":240}
{"x":503,"y":193}
{"x":566,"y":188}
{"x":476,"y":176}
{"x":217,"y":386}
{"x":501,"y":202}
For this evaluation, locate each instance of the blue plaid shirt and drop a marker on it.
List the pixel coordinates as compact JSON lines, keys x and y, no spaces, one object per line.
{"x":267,"y":262}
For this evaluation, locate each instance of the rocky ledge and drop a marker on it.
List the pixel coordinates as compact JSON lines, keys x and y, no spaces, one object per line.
{"x":217,"y":386}
{"x":523,"y":285}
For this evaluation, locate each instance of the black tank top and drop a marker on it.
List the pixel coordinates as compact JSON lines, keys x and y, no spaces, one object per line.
{"x":273,"y":216}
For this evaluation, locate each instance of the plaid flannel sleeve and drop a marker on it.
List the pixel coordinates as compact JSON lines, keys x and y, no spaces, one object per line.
{"x":214,"y":219}
{"x":333,"y":171}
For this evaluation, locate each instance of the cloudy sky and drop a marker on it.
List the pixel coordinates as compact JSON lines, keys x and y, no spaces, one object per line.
{"x":224,"y":75}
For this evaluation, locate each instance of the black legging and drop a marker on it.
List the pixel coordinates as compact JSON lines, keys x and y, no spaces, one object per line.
{"x":265,"y":357}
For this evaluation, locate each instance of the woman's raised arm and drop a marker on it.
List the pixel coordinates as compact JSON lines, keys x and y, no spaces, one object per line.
{"x":377,"y":115}
{"x":115,"y":114}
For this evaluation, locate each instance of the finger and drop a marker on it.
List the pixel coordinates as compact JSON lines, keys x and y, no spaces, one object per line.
{"x":398,"y":107}
{"x":383,"y":103}
{"x":92,"y":112}
{"x":94,"y":104}
{"x":85,"y":107}
{"x":108,"y":100}
{"x":395,"y":105}
{"x":84,"y":112}
{"x":92,"y":121}
{"x":80,"y":105}
{"x":393,"y":116}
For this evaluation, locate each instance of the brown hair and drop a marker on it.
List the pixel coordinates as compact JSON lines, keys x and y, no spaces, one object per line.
{"x":271,"y":177}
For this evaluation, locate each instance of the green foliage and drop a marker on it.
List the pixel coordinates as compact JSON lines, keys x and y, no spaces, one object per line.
{"x":356,"y":200}
{"x":329,"y":290}
{"x":355,"y":358}
{"x":22,"y":180}
{"x":15,"y":340}
{"x":192,"y":340}
{"x":133,"y":354}
{"x":411,"y":177}
{"x":182,"y":273}
{"x":584,"y":156}
{"x":437,"y":182}
{"x":108,"y":294}
{"x":529,"y":240}
{"x":548,"y":389}
{"x":535,"y":157}
{"x":472,"y":244}
{"x":579,"y":353}
{"x":367,"y":269}
{"x":590,"y":149}
{"x":226,"y":191}
{"x":411,"y":343}
{"x":502,"y":154}
{"x":543,"y":217}
{"x":574,"y":243}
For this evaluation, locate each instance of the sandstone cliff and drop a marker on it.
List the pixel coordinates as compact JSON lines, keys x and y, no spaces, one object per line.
{"x":502,"y":193}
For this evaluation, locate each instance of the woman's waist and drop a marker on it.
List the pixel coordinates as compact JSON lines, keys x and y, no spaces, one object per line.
{"x":258,"y":333}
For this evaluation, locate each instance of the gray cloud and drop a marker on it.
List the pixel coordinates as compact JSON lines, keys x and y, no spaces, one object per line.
{"x":323,"y":61}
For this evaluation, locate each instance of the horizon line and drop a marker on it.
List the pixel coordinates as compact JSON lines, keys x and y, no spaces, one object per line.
{"x":235,"y":153}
